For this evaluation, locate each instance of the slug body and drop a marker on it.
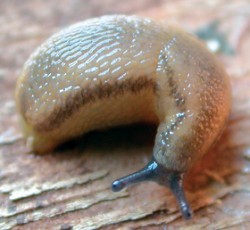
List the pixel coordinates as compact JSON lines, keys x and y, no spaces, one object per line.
{"x":118,"y":70}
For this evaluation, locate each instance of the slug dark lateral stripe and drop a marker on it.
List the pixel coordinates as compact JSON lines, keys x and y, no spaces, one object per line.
{"x":86,"y":96}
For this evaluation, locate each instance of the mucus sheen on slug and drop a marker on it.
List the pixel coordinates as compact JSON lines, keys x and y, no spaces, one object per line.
{"x":118,"y":69}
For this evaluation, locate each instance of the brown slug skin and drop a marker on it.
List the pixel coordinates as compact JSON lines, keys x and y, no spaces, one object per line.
{"x":116,"y":70}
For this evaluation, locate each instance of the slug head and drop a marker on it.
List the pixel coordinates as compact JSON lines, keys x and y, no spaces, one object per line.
{"x":153,"y":171}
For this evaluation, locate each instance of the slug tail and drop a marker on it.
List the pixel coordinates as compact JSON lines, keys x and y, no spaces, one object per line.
{"x":157,"y":173}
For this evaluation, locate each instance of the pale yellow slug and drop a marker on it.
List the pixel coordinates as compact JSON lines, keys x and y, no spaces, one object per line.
{"x":115,"y":70}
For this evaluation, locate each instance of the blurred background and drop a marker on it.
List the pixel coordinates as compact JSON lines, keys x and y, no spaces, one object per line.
{"x":69,"y":188}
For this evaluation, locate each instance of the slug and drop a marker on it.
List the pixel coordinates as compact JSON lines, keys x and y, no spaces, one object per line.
{"x":118,"y":69}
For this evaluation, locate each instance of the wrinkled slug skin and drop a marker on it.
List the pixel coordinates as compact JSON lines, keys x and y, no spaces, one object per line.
{"x":116,"y":70}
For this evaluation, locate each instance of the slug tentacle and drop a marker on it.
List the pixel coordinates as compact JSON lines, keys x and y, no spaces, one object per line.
{"x":157,"y":173}
{"x":176,"y":186}
{"x":145,"y":174}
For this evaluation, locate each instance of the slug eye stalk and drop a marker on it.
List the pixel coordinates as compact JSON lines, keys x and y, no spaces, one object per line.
{"x":157,"y":173}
